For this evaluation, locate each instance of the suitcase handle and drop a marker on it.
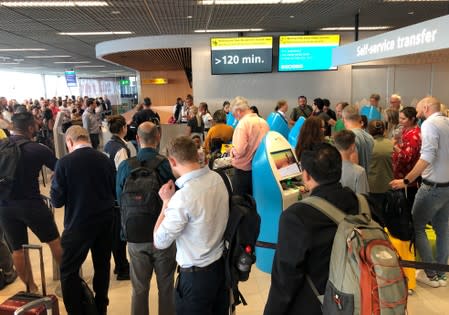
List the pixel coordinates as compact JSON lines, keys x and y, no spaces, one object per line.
{"x":26,"y":249}
{"x":46,"y":301}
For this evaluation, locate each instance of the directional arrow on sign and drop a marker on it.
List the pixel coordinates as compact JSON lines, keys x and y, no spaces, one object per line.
{"x":217,"y":61}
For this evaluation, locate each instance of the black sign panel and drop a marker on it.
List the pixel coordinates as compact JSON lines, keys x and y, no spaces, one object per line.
{"x":241,"y":55}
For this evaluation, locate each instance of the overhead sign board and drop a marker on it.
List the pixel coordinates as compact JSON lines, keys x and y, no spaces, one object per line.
{"x":307,"y":52}
{"x":70,"y":78}
{"x":422,"y":37}
{"x":234,"y":55}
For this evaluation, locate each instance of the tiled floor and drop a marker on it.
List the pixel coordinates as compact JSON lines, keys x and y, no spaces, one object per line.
{"x":425,"y":301}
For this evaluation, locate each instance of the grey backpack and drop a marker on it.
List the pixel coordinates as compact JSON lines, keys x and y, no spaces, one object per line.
{"x":365,"y":277}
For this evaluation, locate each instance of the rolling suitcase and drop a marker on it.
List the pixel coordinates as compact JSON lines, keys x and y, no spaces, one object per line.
{"x":21,"y":299}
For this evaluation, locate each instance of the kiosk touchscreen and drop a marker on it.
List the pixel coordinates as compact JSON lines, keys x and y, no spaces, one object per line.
{"x":278,"y":123}
{"x":276,"y":180}
{"x":294,"y":132}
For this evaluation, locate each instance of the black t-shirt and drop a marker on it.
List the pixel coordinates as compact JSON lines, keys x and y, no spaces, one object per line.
{"x":34,"y":156}
{"x":146,"y":115}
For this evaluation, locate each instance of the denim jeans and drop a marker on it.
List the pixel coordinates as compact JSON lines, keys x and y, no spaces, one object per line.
{"x":432,"y":205}
{"x":144,"y":258}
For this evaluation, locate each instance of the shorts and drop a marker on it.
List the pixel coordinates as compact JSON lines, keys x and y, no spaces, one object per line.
{"x":14,"y":221}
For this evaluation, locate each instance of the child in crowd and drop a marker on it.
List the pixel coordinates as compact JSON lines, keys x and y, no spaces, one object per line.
{"x":352,"y":175}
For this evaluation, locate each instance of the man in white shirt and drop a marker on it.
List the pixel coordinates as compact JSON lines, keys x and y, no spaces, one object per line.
{"x":195,"y":216}
{"x":432,"y":199}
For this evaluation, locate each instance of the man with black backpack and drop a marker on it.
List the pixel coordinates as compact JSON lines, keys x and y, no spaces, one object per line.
{"x":195,"y":216}
{"x":138,"y":182}
{"x":21,"y":204}
{"x":306,"y":237}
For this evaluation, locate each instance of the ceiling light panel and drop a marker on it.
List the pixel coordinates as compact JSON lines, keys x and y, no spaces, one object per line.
{"x":48,"y":57}
{"x":233,"y":2}
{"x":232,"y":30}
{"x":95,"y":33}
{"x":42,"y":4}
{"x":72,"y":62}
{"x":22,"y":49}
{"x":352,"y":28}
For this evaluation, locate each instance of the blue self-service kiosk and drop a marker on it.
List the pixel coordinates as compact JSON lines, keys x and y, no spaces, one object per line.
{"x":278,"y":123}
{"x":275,"y":187}
{"x":294,"y":132}
{"x":231,"y":121}
{"x":371,"y":112}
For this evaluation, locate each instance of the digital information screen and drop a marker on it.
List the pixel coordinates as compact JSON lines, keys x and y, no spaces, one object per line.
{"x":70,"y":78}
{"x":285,"y":163}
{"x":307,"y":53}
{"x":234,"y":55}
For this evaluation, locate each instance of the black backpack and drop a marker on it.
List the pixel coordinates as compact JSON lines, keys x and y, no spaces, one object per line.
{"x":242,"y":231}
{"x":10,"y":155}
{"x":140,"y":203}
{"x":397,"y":215}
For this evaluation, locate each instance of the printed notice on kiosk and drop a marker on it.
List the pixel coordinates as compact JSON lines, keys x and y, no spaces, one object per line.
{"x":233,"y":55}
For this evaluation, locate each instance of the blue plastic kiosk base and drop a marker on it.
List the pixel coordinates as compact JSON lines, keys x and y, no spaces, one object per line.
{"x":265,"y":258}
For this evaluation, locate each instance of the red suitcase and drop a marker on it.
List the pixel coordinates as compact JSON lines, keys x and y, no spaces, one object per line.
{"x":22,"y":298}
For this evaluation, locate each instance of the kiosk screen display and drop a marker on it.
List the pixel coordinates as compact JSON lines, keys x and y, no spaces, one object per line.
{"x":285,"y":163}
{"x":306,"y":53}
{"x":232,"y":55}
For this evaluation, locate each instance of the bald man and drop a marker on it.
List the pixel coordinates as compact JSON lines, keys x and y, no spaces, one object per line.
{"x":144,"y":257}
{"x":84,"y":182}
{"x":432,"y":200}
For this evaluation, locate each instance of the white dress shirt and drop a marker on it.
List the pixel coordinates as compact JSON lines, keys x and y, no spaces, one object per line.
{"x":196,"y":218}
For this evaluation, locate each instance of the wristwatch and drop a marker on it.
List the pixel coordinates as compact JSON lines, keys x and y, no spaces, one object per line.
{"x":406,"y":181}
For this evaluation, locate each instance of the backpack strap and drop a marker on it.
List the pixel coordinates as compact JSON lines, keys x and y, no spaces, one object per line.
{"x":326,"y":208}
{"x":364,"y":208}
{"x":153,"y":164}
{"x":336,"y":215}
{"x":332,"y":212}
{"x":226,"y":181}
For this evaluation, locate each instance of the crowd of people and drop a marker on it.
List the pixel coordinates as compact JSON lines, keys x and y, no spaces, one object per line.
{"x":339,"y":152}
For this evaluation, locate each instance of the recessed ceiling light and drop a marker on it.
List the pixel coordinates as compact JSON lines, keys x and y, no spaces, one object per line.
{"x":70,"y":62}
{"x":415,"y":0}
{"x":22,"y":49}
{"x":411,"y":13}
{"x":90,"y":66}
{"x":230,"y":30}
{"x":292,"y":16}
{"x":94,"y":33}
{"x":352,"y":28}
{"x":111,"y":71}
{"x":229,"y":2}
{"x":47,"y":57}
{"x":115,"y":12}
{"x":54,"y":3}
{"x":189,"y":16}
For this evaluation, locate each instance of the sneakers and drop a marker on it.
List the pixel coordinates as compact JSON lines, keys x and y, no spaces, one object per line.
{"x":442,"y":280}
{"x":431,"y":282}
